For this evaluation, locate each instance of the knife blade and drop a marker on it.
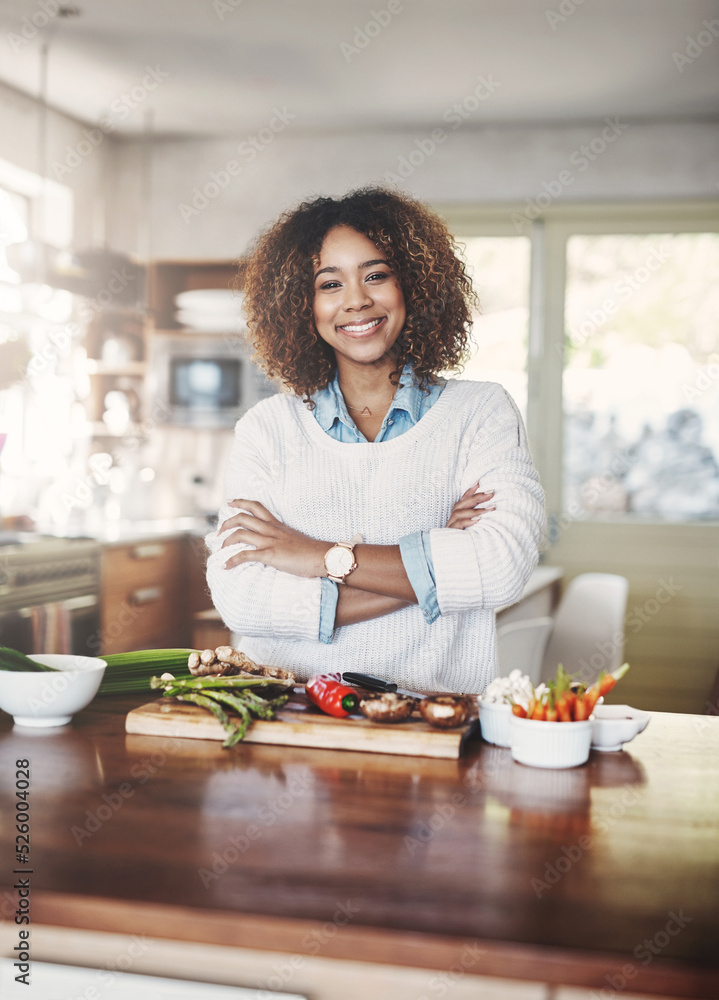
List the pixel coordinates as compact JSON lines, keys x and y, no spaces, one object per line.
{"x":372,"y":683}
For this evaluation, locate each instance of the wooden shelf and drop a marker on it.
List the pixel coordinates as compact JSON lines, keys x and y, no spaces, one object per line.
{"x":96,"y":367}
{"x":98,"y":428}
{"x":168,"y":278}
{"x":194,"y":334}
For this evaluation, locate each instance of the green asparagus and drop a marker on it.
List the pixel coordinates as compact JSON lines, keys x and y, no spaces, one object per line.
{"x":217,"y":694}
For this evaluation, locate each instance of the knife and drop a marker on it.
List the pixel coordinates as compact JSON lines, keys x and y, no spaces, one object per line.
{"x":377,"y":684}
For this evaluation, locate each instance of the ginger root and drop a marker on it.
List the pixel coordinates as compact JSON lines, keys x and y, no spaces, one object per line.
{"x":229,"y":655}
{"x":226,"y":661}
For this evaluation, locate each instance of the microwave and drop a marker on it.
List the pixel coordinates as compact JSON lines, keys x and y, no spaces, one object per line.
{"x":202,"y":380}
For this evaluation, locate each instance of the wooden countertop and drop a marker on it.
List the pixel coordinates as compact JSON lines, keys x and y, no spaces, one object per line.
{"x":611,"y":869}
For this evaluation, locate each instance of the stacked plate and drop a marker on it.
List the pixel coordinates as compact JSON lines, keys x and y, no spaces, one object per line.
{"x":210,"y":310}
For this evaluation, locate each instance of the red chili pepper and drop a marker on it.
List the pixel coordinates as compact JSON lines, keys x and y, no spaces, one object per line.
{"x":336,"y":699}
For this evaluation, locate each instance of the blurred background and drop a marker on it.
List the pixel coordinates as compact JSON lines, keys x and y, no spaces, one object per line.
{"x":572,"y":148}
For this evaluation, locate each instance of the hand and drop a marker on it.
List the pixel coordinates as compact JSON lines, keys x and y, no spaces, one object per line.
{"x":465,"y":511}
{"x":274,"y":543}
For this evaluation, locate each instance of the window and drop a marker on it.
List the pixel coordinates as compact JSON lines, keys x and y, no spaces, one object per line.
{"x":601,"y":322}
{"x":36,"y":344}
{"x":499,"y":266}
{"x":641,"y":422}
{"x":14,"y":214}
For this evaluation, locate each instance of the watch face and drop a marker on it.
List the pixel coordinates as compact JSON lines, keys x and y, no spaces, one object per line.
{"x":339,"y":560}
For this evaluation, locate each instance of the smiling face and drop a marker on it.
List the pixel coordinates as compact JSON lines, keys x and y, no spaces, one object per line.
{"x":359,"y":307}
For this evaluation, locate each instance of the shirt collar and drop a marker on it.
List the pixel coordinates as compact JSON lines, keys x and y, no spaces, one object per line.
{"x":408,"y":396}
{"x":330,"y":405}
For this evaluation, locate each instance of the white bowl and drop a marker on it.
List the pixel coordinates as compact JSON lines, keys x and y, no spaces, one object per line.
{"x":550,"y":744}
{"x":494,"y":719}
{"x":52,"y":698}
{"x":616,"y":724}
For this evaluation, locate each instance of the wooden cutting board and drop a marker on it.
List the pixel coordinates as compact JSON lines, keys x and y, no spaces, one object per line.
{"x":300,"y":724}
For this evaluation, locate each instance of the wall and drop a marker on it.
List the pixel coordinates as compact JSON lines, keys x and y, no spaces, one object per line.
{"x":670,"y":160}
{"x":498,"y":164}
{"x":672,"y":626}
{"x":71,"y":158}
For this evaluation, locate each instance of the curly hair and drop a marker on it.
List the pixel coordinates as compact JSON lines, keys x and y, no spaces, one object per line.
{"x":278,"y":283}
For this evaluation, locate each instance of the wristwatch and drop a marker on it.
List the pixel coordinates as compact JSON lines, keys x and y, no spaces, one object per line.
{"x":340,"y":559}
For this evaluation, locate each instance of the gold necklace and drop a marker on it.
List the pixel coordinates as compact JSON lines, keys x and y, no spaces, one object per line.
{"x":365,"y":411}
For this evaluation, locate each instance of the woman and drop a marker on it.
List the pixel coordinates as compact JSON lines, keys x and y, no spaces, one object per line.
{"x":352,"y":536}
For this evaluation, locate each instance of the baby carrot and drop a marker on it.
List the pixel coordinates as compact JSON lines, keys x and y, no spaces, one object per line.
{"x":564,"y":709}
{"x":607,"y":682}
{"x":552,"y":712}
{"x":580,"y":709}
{"x":603,"y":685}
{"x":538,"y":711}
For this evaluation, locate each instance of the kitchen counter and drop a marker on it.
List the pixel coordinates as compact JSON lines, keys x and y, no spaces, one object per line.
{"x":157,"y":529}
{"x":564,"y":877}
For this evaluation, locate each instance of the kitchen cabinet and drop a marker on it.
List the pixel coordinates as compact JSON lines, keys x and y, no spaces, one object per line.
{"x":151,"y":590}
{"x":331,"y":874}
{"x":142,"y":595}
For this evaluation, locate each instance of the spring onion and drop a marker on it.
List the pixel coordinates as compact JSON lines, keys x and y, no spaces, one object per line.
{"x":11,"y":659}
{"x":130,"y":673}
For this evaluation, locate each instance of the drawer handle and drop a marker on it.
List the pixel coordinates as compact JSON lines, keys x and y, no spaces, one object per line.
{"x":145,"y":595}
{"x":148,"y":551}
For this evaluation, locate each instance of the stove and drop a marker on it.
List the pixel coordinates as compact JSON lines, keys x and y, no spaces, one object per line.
{"x":49,"y":593}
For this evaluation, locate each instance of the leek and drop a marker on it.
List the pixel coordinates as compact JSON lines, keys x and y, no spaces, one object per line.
{"x":131,"y":673}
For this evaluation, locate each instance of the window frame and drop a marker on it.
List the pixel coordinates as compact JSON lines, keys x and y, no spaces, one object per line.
{"x":549,"y":234}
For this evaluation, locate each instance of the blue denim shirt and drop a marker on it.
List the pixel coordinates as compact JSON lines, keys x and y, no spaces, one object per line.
{"x":408,"y":406}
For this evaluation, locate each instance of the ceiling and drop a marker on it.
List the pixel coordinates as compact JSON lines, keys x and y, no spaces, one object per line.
{"x":229,"y":63}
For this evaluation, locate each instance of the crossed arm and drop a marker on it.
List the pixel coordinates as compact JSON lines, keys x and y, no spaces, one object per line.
{"x":378,"y":586}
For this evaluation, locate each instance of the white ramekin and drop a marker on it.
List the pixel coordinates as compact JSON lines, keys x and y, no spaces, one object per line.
{"x":494,"y":719}
{"x":550,"y":744}
{"x":615,"y":725}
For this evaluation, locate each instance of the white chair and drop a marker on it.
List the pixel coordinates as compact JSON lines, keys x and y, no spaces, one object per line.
{"x":588,"y":633}
{"x":521,"y":646}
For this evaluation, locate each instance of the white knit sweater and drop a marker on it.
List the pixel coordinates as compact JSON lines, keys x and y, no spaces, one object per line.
{"x":330,"y":490}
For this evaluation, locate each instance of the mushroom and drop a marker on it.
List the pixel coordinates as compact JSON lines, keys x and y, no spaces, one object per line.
{"x":387,"y":707}
{"x":445,"y":711}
